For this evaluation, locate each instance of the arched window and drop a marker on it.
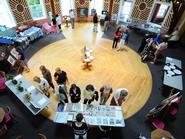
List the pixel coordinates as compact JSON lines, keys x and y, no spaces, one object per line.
{"x":37,"y":9}
{"x":126,"y":10}
{"x":97,"y":5}
{"x":66,"y":5}
{"x":6,"y":17}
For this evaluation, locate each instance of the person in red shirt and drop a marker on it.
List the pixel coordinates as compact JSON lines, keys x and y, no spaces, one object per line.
{"x":117,"y":36}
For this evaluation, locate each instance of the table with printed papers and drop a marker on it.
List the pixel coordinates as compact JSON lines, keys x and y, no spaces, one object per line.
{"x":95,"y":115}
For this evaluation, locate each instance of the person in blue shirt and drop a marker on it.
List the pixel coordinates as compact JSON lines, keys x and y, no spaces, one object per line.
{"x":23,"y":60}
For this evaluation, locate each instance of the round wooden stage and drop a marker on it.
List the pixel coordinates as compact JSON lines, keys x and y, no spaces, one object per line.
{"x":119,"y":69}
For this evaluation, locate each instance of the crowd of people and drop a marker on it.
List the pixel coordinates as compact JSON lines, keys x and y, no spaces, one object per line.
{"x":90,"y":93}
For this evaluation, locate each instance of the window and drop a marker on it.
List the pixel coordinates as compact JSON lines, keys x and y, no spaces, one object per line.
{"x":97,"y":5}
{"x":125,"y":11}
{"x":6,"y":15}
{"x":162,"y":11}
{"x":66,"y":5}
{"x":37,"y":9}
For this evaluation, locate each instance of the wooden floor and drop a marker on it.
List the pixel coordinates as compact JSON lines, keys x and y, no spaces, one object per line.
{"x":120,"y":69}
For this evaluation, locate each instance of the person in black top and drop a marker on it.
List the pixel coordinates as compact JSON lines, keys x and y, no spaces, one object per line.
{"x":21,"y":57}
{"x":95,"y":21}
{"x":144,"y":42}
{"x":60,"y":77}
{"x":54,"y":21}
{"x":79,"y":128}
{"x":106,"y":22}
{"x":75,"y":93}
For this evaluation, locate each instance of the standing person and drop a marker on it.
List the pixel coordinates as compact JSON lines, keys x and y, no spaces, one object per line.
{"x":43,"y":85}
{"x":61,"y":94}
{"x":90,"y":94}
{"x":59,"y":22}
{"x":60,"y":77}
{"x":106,"y":22}
{"x":119,"y":97}
{"x":75,"y":93}
{"x":162,"y":46}
{"x":72,"y":17}
{"x":144,"y":42}
{"x":22,"y":58}
{"x":123,"y":39}
{"x":117,"y":36}
{"x":54,"y":22}
{"x":106,"y":91}
{"x":47,"y":75}
{"x":95,"y":21}
{"x":79,"y":128}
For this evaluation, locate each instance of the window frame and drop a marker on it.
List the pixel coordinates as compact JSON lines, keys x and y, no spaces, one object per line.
{"x":122,"y":7}
{"x":71,"y":6}
{"x":8,"y":13}
{"x":43,"y":10}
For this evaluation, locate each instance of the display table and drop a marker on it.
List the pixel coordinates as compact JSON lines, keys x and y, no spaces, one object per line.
{"x":173,"y":74}
{"x":95,"y":115}
{"x":30,"y":96}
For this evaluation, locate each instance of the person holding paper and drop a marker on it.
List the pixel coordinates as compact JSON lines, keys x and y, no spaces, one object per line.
{"x":119,"y":97}
{"x":106,"y":91}
{"x":43,"y":85}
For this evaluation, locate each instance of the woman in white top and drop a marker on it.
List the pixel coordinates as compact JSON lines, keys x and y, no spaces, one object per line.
{"x":59,"y":21}
{"x":43,"y":85}
{"x":119,"y":97}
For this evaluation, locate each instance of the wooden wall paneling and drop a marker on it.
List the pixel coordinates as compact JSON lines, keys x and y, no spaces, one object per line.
{"x":48,"y":7}
{"x":115,"y":8}
{"x":106,"y":5}
{"x":142,"y":15}
{"x":168,"y":20}
{"x":57,"y":7}
{"x":20,"y":16}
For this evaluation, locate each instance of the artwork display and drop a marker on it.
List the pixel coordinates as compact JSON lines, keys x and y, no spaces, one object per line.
{"x":94,"y":114}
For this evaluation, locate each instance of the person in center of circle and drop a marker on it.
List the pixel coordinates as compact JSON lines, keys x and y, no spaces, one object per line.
{"x":75,"y":93}
{"x":79,"y":128}
{"x":90,"y":94}
{"x":106,"y":91}
{"x":117,"y":36}
{"x":119,"y":97}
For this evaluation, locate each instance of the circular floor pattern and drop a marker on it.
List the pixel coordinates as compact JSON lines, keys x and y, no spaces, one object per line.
{"x":120,"y":69}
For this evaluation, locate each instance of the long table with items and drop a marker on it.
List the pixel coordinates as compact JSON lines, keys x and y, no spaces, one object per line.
{"x":95,"y":115}
{"x":28,"y":94}
{"x":172,"y":80}
{"x":173,"y":73}
{"x":33,"y":33}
